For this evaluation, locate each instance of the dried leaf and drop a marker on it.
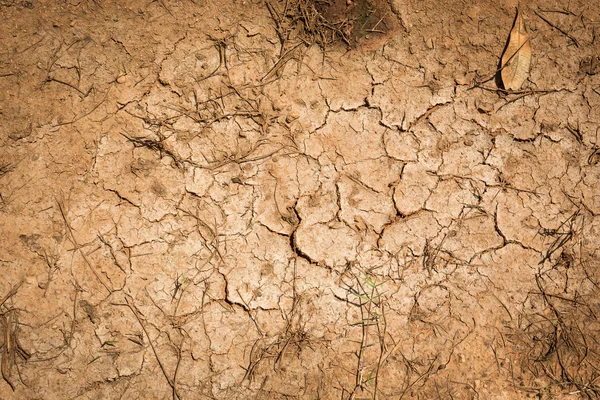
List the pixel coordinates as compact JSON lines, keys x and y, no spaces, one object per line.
{"x":517,"y":56}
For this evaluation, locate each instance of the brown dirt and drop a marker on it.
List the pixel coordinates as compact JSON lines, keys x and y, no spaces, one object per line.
{"x":286,"y":199}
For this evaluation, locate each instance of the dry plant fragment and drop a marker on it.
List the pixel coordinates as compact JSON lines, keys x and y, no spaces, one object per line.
{"x":517,"y":56}
{"x":77,"y":247}
{"x":9,"y":344}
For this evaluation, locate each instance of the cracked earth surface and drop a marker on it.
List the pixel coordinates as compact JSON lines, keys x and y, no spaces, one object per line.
{"x":181,"y":219}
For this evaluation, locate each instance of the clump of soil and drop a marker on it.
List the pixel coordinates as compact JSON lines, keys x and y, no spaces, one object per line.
{"x":352,"y":22}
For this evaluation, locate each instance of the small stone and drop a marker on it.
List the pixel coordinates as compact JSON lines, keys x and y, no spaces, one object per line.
{"x":21,"y":134}
{"x":292,"y":117}
{"x":122,"y":79}
{"x":277,"y":105}
{"x":42,"y":284}
{"x":472,"y":12}
{"x":484,"y":107}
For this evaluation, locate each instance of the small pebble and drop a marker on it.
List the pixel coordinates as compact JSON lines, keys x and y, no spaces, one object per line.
{"x":292,"y":117}
{"x":484,"y":107}
{"x":122,"y":79}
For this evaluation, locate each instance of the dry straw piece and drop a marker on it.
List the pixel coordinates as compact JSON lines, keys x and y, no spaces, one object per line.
{"x":517,"y":56}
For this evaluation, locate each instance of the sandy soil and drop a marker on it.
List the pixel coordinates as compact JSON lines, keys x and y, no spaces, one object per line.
{"x":226,"y":199}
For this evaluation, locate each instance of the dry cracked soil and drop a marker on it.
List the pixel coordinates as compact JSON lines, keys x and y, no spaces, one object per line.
{"x":296,"y":199}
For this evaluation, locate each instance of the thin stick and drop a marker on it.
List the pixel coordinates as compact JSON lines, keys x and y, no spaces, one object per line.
{"x":575,"y":42}
{"x":77,"y":247}
{"x":283,"y":60}
{"x":7,"y":354}
{"x":175,"y":395}
{"x":135,"y":312}
{"x":11,"y":292}
{"x":83,"y":115}
{"x":70,"y":85}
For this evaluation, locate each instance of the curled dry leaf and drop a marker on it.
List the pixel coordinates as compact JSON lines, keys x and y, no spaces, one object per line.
{"x":517,"y":56}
